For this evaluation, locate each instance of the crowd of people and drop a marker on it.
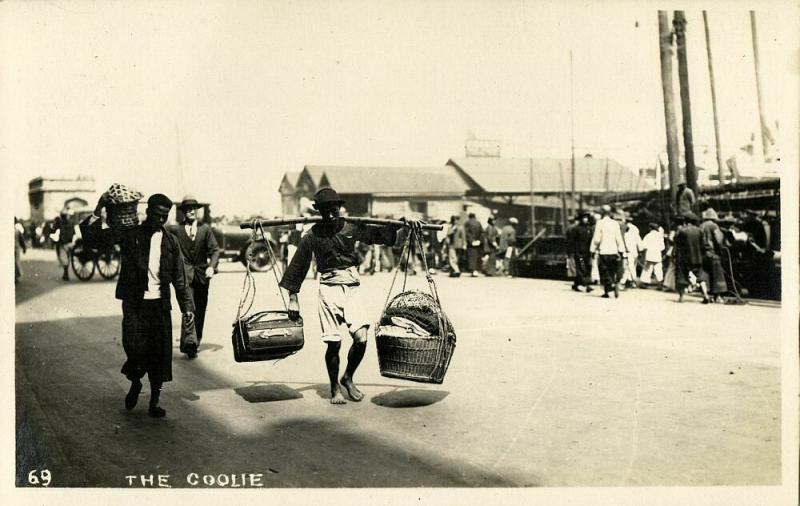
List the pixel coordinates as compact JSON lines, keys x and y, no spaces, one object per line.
{"x":607,"y":248}
{"x":604,"y":247}
{"x":463,"y":245}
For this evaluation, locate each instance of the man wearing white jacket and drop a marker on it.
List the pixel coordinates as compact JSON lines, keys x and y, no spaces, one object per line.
{"x":653,"y":245}
{"x":608,"y":243}
{"x":633,"y":244}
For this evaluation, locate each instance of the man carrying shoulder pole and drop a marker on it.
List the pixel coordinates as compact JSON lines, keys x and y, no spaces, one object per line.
{"x":331,"y":242}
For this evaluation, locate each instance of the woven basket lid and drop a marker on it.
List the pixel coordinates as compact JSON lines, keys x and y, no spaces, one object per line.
{"x":121,"y":194}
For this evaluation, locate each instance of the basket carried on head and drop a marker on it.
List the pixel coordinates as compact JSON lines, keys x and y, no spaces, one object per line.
{"x":415,"y":339}
{"x":123,"y":206}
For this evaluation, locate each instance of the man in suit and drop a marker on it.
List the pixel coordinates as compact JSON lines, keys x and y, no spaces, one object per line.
{"x":201,"y":253}
{"x":150,"y":261}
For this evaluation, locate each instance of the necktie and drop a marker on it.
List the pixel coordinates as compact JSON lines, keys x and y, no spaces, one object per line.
{"x":191,"y":232}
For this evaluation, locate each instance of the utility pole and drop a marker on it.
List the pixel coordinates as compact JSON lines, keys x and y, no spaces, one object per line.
{"x":665,"y":43}
{"x":765,"y":138}
{"x":572,"y":129}
{"x":179,"y":161}
{"x":533,"y":206}
{"x":563,"y":200}
{"x":720,"y":166}
{"x":679,"y":22}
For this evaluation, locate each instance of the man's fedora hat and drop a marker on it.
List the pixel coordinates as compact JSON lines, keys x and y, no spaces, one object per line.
{"x":325,"y":196}
{"x":189,"y":202}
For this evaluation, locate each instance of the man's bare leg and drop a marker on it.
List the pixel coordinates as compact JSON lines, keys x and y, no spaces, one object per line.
{"x":354,"y":357}
{"x":332,"y":363}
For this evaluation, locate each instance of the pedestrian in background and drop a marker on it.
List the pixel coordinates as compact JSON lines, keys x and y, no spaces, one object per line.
{"x":685,"y":200}
{"x":474,"y":234}
{"x":201,"y":252}
{"x":151,"y":260}
{"x":508,"y":243}
{"x":492,"y":235}
{"x":633,"y":246}
{"x":609,"y":246}
{"x":689,"y":257}
{"x":63,"y":235}
{"x":456,"y":242}
{"x":579,"y":241}
{"x":713,"y":242}
{"x":653,"y":246}
{"x":19,"y":246}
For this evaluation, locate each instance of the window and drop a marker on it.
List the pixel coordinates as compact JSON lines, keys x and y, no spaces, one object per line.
{"x":419,"y":207}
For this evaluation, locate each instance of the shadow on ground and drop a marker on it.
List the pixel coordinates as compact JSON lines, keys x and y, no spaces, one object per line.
{"x":70,"y":419}
{"x":409,"y":398}
{"x":267,"y":393}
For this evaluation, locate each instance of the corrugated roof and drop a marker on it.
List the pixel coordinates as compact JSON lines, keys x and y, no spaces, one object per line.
{"x":442,"y":180}
{"x":512,"y":175}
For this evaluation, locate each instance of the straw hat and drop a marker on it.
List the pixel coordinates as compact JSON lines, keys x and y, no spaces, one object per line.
{"x":710,"y":214}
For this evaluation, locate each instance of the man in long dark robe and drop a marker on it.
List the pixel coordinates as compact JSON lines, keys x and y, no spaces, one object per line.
{"x":492,"y":235}
{"x":712,"y":248}
{"x":579,"y":238}
{"x":150,"y":261}
{"x":689,"y":257}
{"x":474,"y":233}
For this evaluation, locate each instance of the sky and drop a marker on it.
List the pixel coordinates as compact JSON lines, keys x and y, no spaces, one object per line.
{"x":220,"y":99}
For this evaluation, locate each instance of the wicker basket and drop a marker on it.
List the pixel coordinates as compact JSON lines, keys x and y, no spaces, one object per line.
{"x":123,"y":206}
{"x":422,"y":359}
{"x":123,"y":215}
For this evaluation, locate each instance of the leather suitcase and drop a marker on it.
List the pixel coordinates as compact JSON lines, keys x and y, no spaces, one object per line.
{"x":266,"y":335}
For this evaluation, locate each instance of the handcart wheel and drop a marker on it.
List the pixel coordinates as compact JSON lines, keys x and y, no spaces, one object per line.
{"x":108,"y":263}
{"x":82,"y":262}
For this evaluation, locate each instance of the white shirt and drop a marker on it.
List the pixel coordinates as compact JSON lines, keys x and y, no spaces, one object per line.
{"x":153,"y":266}
{"x":607,"y":239}
{"x":191,"y":230}
{"x":632,"y":240}
{"x":653,"y":244}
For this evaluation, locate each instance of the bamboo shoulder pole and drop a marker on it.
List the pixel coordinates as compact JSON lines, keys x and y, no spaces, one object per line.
{"x":277,"y":222}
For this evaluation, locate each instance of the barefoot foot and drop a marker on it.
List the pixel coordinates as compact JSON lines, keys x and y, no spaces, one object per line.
{"x":337,"y":397}
{"x":351,"y":388}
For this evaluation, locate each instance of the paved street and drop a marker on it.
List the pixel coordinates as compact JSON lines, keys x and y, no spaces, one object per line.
{"x":547,"y":388}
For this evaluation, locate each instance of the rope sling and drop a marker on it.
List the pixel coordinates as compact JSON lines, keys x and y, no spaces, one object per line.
{"x":247,"y":299}
{"x":410,"y":358}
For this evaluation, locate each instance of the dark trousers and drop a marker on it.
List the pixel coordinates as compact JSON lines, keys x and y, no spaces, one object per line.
{"x":491,"y":264}
{"x":473,"y":258}
{"x":200,"y":294}
{"x":583,"y":269}
{"x":147,"y":340}
{"x":608,"y":265}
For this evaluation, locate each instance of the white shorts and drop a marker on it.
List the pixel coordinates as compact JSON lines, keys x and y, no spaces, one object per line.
{"x":340,"y":312}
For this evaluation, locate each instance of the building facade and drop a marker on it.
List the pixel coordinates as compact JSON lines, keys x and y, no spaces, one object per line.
{"x":48,"y":196}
